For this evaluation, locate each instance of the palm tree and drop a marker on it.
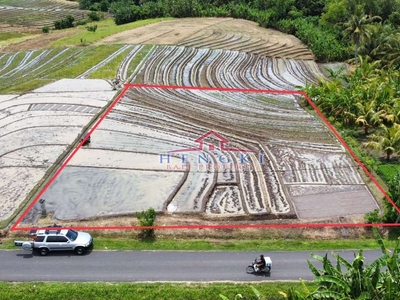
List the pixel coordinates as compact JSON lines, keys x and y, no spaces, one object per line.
{"x":359,"y":28}
{"x":387,"y":140}
{"x":367,"y":115}
{"x":389,"y":50}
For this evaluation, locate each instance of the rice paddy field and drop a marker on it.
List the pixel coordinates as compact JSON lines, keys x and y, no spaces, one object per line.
{"x":210,"y":126}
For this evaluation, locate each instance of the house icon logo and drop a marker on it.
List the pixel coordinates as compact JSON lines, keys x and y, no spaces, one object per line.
{"x":203,"y":145}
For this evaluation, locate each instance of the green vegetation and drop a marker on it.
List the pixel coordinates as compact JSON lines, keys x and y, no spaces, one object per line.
{"x":89,"y":58}
{"x":138,"y":291}
{"x":365,"y":107}
{"x":168,"y":243}
{"x":104,"y":29}
{"x":147,"y":218}
{"x":334,"y":30}
{"x":92,"y":28}
{"x":379,"y":280}
{"x":109,"y":70}
{"x":67,"y":22}
{"x":11,"y":35}
{"x":139,"y":57}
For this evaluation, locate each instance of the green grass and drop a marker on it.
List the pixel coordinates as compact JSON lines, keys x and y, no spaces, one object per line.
{"x":82,"y":63}
{"x":138,"y":291}
{"x":104,"y":28}
{"x":24,"y":86}
{"x":139,"y":57}
{"x":109,"y":70}
{"x":11,"y":35}
{"x":14,"y":63}
{"x":125,"y":243}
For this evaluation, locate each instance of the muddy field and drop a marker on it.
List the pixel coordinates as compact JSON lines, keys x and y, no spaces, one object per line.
{"x":36,"y":128}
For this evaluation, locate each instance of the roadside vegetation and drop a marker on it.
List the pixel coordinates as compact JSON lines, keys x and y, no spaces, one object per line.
{"x":344,"y":279}
{"x":134,"y":241}
{"x":138,"y":291}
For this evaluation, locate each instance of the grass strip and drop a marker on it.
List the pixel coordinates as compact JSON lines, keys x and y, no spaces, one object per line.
{"x":22,"y":87}
{"x":104,"y":28}
{"x":145,"y":291}
{"x":107,"y":243}
{"x":89,"y":58}
{"x":109,"y":70}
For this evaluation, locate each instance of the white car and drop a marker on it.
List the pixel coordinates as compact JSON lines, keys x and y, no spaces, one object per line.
{"x":58,"y":240}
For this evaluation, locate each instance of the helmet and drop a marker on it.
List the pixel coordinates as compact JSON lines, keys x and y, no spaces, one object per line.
{"x":262,"y":255}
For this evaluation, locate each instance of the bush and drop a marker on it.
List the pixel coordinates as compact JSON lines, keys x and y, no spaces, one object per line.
{"x":67,"y":22}
{"x":91,"y":28}
{"x":93,"y":16}
{"x":45,"y":29}
{"x":147,"y":218}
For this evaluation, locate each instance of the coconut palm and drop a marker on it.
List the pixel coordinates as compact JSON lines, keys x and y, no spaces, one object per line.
{"x":389,"y":50}
{"x":390,"y":112}
{"x":386,"y":140}
{"x":367,"y":115}
{"x":358,"y":27}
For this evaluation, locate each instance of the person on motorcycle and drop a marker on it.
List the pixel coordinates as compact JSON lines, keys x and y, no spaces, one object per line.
{"x":260,"y":263}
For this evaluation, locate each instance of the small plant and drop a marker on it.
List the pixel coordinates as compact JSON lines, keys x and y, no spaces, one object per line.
{"x":93,"y":16}
{"x":147,"y":218}
{"x":45,"y":29}
{"x":81,"y":22}
{"x":92,"y":28}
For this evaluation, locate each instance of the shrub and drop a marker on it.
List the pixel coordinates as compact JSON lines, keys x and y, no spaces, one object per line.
{"x":147,"y":218}
{"x":93,"y":16}
{"x":67,"y":22}
{"x":45,"y":29}
{"x":92,"y":28}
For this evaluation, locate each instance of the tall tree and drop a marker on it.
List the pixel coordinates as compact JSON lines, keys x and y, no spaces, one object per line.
{"x":358,"y":27}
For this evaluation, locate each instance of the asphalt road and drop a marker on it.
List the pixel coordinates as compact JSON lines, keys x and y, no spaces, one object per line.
{"x":151,"y":266}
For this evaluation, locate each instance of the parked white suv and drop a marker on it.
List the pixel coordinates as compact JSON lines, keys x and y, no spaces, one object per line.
{"x":58,"y":240}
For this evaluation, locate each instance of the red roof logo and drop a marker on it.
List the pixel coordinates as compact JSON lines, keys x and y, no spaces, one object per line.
{"x":221,"y":139}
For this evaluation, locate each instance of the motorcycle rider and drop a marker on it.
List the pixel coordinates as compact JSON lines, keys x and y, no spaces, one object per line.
{"x":260,"y":263}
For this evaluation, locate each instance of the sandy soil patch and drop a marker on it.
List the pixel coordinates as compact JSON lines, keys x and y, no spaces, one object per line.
{"x":232,"y":34}
{"x":168,"y":32}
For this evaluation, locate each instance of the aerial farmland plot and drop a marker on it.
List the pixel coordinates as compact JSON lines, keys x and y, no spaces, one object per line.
{"x":198,"y":130}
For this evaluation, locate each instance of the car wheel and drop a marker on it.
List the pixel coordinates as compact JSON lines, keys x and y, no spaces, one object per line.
{"x":43,"y":251}
{"x":79,"y":250}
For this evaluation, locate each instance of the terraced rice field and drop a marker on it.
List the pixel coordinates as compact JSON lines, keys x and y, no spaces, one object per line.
{"x":35,"y":68}
{"x":36,"y":128}
{"x":221,"y":150}
{"x":38,"y":13}
{"x":217,"y":34}
{"x":218,"y":152}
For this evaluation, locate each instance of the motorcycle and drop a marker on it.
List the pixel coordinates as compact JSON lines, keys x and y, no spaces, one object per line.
{"x":251,"y":269}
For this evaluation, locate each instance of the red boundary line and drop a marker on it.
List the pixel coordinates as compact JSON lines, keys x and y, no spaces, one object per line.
{"x":152,"y":86}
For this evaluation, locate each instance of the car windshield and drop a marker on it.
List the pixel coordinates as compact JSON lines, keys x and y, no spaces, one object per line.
{"x":72,"y":235}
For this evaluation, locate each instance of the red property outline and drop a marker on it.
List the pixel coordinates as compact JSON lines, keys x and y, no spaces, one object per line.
{"x":285,"y":92}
